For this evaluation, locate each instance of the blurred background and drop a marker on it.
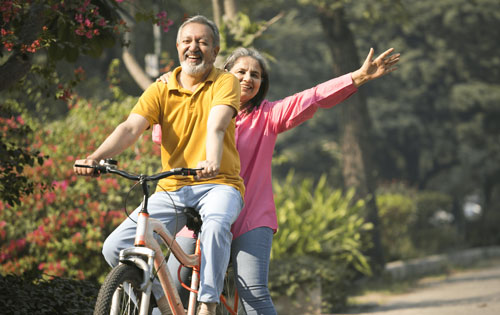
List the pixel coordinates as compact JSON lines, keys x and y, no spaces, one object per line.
{"x":406,"y":168}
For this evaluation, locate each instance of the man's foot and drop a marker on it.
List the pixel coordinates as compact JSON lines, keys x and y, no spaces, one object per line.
{"x":207,"y":308}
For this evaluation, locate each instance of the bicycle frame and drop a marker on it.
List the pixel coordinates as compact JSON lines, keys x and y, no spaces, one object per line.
{"x":155,"y":259}
{"x":152,"y":253}
{"x":147,"y":254}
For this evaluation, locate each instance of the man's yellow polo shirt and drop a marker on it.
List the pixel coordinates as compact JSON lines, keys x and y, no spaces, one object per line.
{"x":183,"y":117}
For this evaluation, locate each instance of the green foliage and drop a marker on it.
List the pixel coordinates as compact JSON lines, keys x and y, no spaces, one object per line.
{"x":242,"y":32}
{"x":319,"y":237}
{"x":431,"y":234}
{"x":415,"y":223}
{"x":31,"y":294}
{"x":61,"y":231}
{"x":397,"y":214}
{"x":15,"y":154}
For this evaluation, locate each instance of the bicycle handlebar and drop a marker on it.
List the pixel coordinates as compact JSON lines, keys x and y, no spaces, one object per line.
{"x":109,"y":166}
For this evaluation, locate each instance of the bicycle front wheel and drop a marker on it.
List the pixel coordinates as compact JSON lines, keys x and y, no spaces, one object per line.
{"x":120,"y":292}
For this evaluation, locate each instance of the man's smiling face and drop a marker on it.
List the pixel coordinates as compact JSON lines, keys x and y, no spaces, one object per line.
{"x":196,"y":48}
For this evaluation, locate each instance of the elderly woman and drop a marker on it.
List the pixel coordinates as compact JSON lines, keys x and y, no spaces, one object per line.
{"x":257,"y":127}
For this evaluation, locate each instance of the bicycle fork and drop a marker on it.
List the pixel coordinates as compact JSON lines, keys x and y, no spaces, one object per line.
{"x":142,"y":258}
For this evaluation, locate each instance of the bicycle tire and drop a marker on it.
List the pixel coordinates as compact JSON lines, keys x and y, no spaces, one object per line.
{"x":120,"y":277}
{"x":228,"y":291}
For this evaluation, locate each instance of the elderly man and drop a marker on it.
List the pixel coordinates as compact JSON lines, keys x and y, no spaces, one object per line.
{"x":195,"y":111}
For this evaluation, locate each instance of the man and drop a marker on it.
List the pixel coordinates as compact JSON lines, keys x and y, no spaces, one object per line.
{"x":195,"y":111}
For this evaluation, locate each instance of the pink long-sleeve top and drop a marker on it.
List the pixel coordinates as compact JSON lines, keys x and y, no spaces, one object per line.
{"x":256,"y":134}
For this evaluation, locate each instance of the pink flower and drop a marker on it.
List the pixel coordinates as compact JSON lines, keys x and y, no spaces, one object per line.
{"x":8,"y":46}
{"x":79,"y":18}
{"x":50,"y":197}
{"x":80,"y":31}
{"x":60,"y":184}
{"x":49,"y":162}
{"x":88,"y":23}
{"x":20,"y":243}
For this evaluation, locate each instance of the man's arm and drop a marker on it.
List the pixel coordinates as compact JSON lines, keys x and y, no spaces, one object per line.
{"x":121,"y":138}
{"x":218,"y":120}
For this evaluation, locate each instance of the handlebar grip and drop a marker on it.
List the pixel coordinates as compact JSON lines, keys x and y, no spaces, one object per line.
{"x":190,"y":171}
{"x":85,"y":166}
{"x":98,"y":169}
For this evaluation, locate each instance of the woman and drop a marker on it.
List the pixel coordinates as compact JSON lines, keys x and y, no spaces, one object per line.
{"x":257,"y":126}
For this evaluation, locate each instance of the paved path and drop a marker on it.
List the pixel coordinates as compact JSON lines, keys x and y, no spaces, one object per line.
{"x":470,"y":292}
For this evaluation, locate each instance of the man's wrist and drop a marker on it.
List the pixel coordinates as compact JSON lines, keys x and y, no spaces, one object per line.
{"x":91,"y":157}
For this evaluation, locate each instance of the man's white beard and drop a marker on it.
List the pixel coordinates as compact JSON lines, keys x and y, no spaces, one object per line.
{"x":195,"y":69}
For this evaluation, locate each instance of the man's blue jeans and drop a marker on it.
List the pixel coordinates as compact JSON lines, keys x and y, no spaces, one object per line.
{"x":218,"y":205}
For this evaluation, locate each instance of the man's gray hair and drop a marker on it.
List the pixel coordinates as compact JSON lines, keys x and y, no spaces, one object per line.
{"x":200,"y":19}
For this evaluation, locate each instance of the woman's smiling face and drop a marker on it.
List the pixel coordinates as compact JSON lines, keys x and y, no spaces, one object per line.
{"x":249,"y":73}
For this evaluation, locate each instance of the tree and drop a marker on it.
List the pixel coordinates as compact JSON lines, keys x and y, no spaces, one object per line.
{"x":357,"y":150}
{"x":57,"y":29}
{"x":437,"y":131}
{"x":236,"y":28}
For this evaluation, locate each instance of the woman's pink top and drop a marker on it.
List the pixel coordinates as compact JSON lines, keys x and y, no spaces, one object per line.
{"x":256,"y":134}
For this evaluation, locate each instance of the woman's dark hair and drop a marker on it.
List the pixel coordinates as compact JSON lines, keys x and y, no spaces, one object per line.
{"x":264,"y":85}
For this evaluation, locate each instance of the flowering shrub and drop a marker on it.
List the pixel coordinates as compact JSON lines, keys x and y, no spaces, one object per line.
{"x":60,"y":231}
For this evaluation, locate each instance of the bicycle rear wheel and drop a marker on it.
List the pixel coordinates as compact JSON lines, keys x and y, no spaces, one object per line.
{"x":122,"y":286}
{"x":229,"y":291}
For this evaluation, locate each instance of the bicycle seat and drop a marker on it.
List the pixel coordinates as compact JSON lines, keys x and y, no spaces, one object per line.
{"x":193,"y":220}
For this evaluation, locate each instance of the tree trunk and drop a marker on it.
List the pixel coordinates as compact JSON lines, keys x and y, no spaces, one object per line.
{"x":216,"y":8}
{"x":356,"y":145}
{"x":230,"y":9}
{"x":136,"y":71}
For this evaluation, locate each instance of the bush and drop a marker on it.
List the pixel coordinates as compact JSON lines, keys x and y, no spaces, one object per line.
{"x":31,"y":294}
{"x":397,"y":214}
{"x":434,"y":231}
{"x":60,"y":231}
{"x":319,"y":238}
{"x":415,"y":223}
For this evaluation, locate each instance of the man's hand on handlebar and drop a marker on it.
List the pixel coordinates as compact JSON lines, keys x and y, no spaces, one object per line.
{"x":83,"y":171}
{"x":210,"y":169}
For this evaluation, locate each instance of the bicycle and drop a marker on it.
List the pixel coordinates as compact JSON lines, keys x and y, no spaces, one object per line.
{"x":127,"y":288}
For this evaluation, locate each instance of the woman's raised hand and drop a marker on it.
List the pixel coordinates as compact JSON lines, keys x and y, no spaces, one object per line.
{"x":373,"y":69}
